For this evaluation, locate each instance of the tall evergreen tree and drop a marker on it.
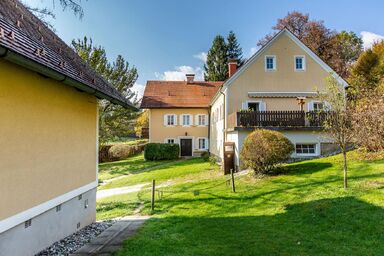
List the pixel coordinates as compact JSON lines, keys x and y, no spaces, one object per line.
{"x":234,"y":50}
{"x":216,"y":68}
{"x":115,"y":121}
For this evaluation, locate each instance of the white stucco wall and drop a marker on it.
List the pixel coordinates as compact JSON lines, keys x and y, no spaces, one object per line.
{"x":217,"y":127}
{"x":49,"y":227}
{"x":304,"y":137}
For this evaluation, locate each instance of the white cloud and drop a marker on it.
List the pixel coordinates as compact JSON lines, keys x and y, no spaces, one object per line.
{"x":139,"y":89}
{"x":253,"y":50}
{"x":201,"y":56}
{"x":369,"y":38}
{"x":178,"y":74}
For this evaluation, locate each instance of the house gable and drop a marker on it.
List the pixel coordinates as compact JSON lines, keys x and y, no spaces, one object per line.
{"x":254,"y":78}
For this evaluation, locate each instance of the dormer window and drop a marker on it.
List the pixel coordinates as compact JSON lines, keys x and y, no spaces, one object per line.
{"x":270,"y":63}
{"x":299,"y":63}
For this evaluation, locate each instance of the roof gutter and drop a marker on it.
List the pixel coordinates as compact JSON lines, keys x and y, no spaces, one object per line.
{"x":46,"y":71}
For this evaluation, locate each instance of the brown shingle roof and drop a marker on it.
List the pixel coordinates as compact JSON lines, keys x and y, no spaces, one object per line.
{"x":179,"y":94}
{"x":23,"y":34}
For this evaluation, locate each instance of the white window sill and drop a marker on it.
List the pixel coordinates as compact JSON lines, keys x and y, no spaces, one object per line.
{"x":170,"y":126}
{"x":307,"y":154}
{"x":299,"y":70}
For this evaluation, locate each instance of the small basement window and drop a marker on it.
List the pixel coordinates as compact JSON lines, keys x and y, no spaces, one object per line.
{"x":28,"y":223}
{"x":306,"y":149}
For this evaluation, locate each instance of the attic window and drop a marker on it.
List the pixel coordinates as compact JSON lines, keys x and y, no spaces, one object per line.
{"x":270,"y":63}
{"x":58,"y":208}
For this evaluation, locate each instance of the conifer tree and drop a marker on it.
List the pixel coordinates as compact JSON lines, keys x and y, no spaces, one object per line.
{"x":234,"y":50}
{"x":216,"y":68}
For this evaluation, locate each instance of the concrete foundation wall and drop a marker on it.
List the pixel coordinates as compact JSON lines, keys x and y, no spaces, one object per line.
{"x":49,"y":226}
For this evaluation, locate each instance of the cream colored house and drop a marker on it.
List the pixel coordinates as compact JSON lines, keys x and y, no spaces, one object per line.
{"x":179,"y":113}
{"x":48,"y":134}
{"x":275,"y":89}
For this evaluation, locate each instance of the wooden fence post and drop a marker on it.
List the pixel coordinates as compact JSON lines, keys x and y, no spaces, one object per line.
{"x":153,"y":195}
{"x":233,"y":182}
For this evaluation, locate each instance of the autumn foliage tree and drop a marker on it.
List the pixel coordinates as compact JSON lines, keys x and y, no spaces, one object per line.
{"x":338,"y":122}
{"x":338,"y":49}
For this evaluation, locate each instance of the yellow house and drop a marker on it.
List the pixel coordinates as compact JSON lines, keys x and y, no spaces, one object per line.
{"x":275,"y":89}
{"x":179,"y":113}
{"x":48,"y":134}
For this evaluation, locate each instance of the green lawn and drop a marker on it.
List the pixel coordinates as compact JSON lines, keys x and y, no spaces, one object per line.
{"x":129,"y":166}
{"x":178,"y":169}
{"x":302,"y":212}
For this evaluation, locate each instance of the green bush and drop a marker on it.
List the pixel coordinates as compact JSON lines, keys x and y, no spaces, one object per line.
{"x":116,"y":152}
{"x":161,"y":151}
{"x":205,"y":156}
{"x":264,"y":150}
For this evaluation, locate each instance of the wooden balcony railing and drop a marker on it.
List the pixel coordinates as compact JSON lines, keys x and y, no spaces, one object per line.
{"x":276,"y":119}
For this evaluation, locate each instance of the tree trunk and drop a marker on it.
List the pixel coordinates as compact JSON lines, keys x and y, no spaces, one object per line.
{"x":345,"y":169}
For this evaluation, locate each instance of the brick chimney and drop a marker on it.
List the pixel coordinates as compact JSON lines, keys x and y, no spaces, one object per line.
{"x":232,"y":67}
{"x":190,"y":78}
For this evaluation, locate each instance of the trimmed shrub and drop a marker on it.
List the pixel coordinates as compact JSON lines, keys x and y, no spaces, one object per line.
{"x":205,"y":156}
{"x":118,"y":152}
{"x":161,"y":151}
{"x":264,"y":150}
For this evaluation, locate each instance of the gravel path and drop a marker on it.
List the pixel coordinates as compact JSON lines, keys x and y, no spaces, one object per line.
{"x":75,"y":241}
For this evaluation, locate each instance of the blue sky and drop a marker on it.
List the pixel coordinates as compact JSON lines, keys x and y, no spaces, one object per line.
{"x":166,"y":38}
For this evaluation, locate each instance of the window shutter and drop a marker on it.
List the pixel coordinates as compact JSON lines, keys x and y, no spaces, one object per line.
{"x":327,"y":106}
{"x":165,"y":119}
{"x":206,"y":119}
{"x":175,"y":116}
{"x":181,"y":119}
{"x":310,"y":106}
{"x":263,"y":106}
{"x":244,"y":105}
{"x":206,"y":143}
{"x":191,"y":120}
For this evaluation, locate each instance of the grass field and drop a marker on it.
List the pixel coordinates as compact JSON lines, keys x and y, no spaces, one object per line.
{"x":302,"y":212}
{"x":131,"y":165}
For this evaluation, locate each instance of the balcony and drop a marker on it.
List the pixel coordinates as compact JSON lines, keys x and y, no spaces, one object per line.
{"x":283,"y":120}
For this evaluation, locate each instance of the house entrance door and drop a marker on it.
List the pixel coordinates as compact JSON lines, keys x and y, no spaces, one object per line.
{"x":186,"y":147}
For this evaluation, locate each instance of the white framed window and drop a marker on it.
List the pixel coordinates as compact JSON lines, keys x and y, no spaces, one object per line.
{"x":270,"y":63}
{"x":299,"y":63}
{"x":170,"y":140}
{"x":306,"y":149}
{"x":170,"y":120}
{"x":186,"y":120}
{"x":201,"y":120}
{"x":202,"y":143}
{"x":254,"y":105}
{"x":318,"y":106}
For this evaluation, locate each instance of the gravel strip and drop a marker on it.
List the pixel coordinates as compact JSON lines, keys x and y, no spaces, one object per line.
{"x":72,"y":243}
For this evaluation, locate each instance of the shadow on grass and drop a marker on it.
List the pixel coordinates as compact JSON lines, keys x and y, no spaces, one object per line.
{"x":339,"y":226}
{"x":306,"y":168}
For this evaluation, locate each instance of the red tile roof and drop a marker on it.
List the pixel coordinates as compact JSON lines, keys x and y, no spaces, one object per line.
{"x":179,"y":94}
{"x":23,"y":34}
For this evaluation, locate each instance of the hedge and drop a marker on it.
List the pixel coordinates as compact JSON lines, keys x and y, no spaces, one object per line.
{"x":109,"y":153}
{"x":161,"y":151}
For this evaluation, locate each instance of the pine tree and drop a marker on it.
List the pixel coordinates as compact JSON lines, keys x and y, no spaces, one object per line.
{"x":216,"y":68}
{"x":234,"y":50}
{"x":115,"y":121}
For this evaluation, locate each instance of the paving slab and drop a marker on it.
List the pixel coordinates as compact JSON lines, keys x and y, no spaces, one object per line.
{"x":111,"y":239}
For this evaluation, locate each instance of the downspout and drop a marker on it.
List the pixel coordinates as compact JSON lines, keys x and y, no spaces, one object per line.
{"x":209,"y":129}
{"x":224,"y":122}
